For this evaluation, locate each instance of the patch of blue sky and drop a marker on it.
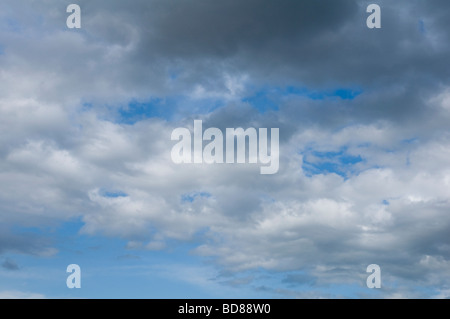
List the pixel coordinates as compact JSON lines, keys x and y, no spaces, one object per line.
{"x":113,"y":193}
{"x":136,"y":111}
{"x":263,"y":101}
{"x":167,"y":108}
{"x":175,"y":108}
{"x":421,"y":26}
{"x":342,"y":93}
{"x":173,"y":75}
{"x":96,"y":255}
{"x":110,"y":270}
{"x":13,"y":25}
{"x":86,"y":106}
{"x":190,"y":197}
{"x":410,"y":140}
{"x":266,"y":198}
{"x":340,"y":163}
{"x":266,"y":99}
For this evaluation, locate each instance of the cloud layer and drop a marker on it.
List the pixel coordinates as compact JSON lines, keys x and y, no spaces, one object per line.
{"x":363,"y":115}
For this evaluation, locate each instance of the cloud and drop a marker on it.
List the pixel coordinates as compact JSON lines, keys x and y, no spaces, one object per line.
{"x":444,"y":294}
{"x":64,"y":148}
{"x":9,"y":264}
{"x":14,"y":294}
{"x":25,"y":243}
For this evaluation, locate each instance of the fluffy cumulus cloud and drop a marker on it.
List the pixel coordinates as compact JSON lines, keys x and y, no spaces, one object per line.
{"x":86,"y":117}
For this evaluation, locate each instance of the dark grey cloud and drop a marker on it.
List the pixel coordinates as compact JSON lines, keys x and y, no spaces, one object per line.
{"x":275,"y":43}
{"x":25,"y":243}
{"x":309,"y":44}
{"x":223,"y":29}
{"x":303,"y":41}
{"x":10,"y":264}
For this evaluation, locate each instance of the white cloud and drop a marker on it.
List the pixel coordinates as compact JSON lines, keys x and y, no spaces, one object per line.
{"x":14,"y":294}
{"x":59,"y":157}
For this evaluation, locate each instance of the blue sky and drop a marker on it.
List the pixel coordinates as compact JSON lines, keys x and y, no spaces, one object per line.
{"x":86,"y":175}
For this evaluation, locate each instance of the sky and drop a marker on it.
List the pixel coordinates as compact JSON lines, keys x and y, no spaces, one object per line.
{"x":86,"y":175}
